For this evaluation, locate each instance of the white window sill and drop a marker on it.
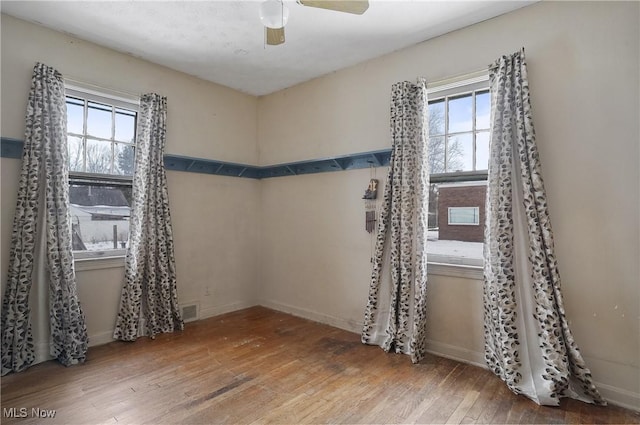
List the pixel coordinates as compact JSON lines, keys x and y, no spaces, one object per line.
{"x":97,"y":263}
{"x":474,"y":272}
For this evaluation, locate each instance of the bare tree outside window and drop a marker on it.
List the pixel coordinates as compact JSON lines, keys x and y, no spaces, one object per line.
{"x":98,"y":157}
{"x":101,"y":158}
{"x":438,"y":145}
{"x":76,"y":153}
{"x":125,"y":160}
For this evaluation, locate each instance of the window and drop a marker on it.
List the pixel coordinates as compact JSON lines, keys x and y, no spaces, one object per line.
{"x":459,"y":132}
{"x":101,"y":142}
{"x":466,"y":216}
{"x":459,"y":121}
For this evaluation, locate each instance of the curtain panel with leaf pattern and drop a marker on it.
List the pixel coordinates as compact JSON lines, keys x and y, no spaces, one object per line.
{"x":527,"y":338}
{"x":43,"y":197}
{"x":395,"y":315}
{"x":149,"y":294}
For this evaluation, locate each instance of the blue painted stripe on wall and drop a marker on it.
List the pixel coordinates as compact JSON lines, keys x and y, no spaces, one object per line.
{"x":12,"y":148}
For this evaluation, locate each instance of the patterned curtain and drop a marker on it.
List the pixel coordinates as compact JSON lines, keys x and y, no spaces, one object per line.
{"x":44,"y":167}
{"x":527,"y":339}
{"x":395,"y":316}
{"x":150,"y":291}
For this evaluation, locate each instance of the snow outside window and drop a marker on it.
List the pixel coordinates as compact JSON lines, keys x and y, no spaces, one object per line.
{"x":101,"y":143}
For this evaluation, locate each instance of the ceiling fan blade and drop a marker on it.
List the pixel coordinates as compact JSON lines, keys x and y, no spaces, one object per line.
{"x":275,"y":36}
{"x":357,"y":7}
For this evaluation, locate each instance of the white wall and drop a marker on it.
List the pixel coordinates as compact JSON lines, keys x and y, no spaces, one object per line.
{"x":216,"y":219}
{"x":583,"y":70}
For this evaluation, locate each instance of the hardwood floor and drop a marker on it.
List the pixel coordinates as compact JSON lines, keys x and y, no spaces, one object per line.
{"x":262,"y":366}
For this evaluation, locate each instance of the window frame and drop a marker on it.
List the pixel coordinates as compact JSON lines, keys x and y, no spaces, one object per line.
{"x":447,"y":93}
{"x":451,"y":88}
{"x":89,"y":93}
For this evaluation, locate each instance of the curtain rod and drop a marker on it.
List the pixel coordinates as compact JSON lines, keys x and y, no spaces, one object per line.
{"x":479,"y":74}
{"x":121,"y":95}
{"x":458,"y":80}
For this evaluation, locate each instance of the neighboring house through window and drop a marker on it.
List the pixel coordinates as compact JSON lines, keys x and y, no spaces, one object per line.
{"x":101,"y":142}
{"x":459,"y":120}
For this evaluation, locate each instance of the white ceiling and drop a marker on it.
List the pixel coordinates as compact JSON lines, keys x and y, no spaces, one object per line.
{"x":223,"y":41}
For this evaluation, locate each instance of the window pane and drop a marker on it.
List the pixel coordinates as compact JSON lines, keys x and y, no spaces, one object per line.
{"x":482,"y":150}
{"x":483,"y":110}
{"x":436,"y":118}
{"x":124,"y":155}
{"x":461,"y":114}
{"x":75,"y":115}
{"x":460,"y":153}
{"x":464,"y":215}
{"x":76,"y":153}
{"x":436,"y":155}
{"x":456,"y":244}
{"x":125,"y":125}
{"x":97,"y":214}
{"x":98,"y":156}
{"x":99,"y":120}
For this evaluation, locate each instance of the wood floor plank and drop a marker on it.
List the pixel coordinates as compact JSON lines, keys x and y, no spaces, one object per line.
{"x":259,"y":366}
{"x":461,"y":411}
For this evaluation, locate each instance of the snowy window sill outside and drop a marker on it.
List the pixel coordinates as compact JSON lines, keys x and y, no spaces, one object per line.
{"x":454,"y":258}
{"x":99,"y":255}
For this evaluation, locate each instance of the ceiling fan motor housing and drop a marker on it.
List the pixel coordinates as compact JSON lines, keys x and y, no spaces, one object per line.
{"x":274,"y":14}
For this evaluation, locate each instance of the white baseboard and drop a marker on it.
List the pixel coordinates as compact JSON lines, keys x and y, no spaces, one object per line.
{"x":211,"y":311}
{"x":345,"y":324}
{"x":107,"y":336}
{"x":613,"y":395}
{"x":460,"y":354}
{"x":42,"y":348}
{"x":437,"y":348}
{"x":42,"y":352}
{"x":619,"y":397}
{"x":101,"y":338}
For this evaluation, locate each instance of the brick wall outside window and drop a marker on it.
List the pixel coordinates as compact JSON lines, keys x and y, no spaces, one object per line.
{"x":461,"y":196}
